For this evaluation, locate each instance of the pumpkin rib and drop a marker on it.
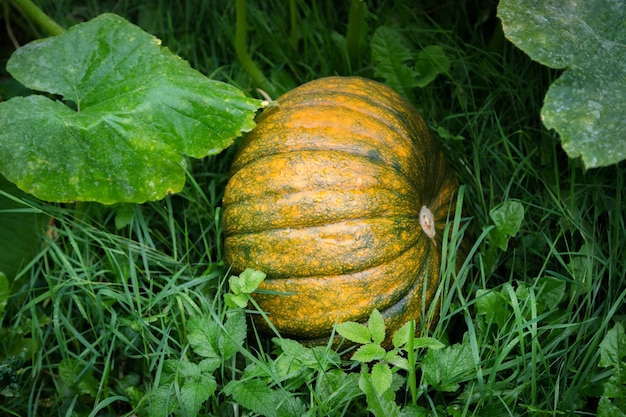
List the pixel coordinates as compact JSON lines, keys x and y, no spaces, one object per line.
{"x":334,"y":248}
{"x":328,"y":138}
{"x":299,"y":226}
{"x":342,"y":139}
{"x":286,"y":173}
{"x":315,"y":207}
{"x":319,"y":119}
{"x":354,"y":305}
{"x":372,"y":157}
{"x":386,"y":98}
{"x":409,"y":306}
{"x":366,"y":148}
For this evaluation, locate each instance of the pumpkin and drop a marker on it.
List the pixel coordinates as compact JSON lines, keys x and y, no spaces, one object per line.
{"x":340,"y":195}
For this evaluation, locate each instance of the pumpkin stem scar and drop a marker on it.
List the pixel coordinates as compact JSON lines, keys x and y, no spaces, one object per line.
{"x":427,"y":222}
{"x":268,"y":101}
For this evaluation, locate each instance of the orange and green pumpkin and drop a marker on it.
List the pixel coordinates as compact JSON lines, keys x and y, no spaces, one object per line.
{"x":341,"y":196}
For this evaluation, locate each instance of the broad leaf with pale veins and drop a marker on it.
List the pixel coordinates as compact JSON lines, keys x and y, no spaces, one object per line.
{"x":587,"y":104}
{"x":127,"y":114}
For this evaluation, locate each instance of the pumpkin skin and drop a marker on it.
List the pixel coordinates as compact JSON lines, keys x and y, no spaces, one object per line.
{"x":341,"y":196}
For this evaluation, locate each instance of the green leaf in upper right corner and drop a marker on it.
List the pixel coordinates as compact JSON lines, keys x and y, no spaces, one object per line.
{"x":586,"y":105}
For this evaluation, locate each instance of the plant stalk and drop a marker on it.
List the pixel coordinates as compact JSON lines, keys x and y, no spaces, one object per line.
{"x":293,"y":21}
{"x":410,"y":350}
{"x":38,"y":16}
{"x":353,"y":35}
{"x":241,"y":49}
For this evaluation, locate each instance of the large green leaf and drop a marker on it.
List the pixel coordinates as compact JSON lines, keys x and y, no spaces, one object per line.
{"x":586,"y":105}
{"x":131,"y":112}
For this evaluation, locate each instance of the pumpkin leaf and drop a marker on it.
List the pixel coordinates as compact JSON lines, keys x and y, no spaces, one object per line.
{"x":354,"y":332}
{"x":586,"y":38}
{"x":131,"y":112}
{"x":376,"y":326}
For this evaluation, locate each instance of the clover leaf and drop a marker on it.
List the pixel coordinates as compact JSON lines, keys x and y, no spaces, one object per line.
{"x":120,"y":117}
{"x":586,"y":104}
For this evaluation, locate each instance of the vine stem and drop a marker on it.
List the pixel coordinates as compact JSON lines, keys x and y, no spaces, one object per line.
{"x":241,"y":49}
{"x":353,"y":35}
{"x":38,"y":16}
{"x":293,"y":19}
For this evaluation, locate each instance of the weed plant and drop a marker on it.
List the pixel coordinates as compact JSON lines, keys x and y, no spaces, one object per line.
{"x":105,"y":319}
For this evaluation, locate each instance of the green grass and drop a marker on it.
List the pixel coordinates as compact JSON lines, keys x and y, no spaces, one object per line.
{"x":93,"y":319}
